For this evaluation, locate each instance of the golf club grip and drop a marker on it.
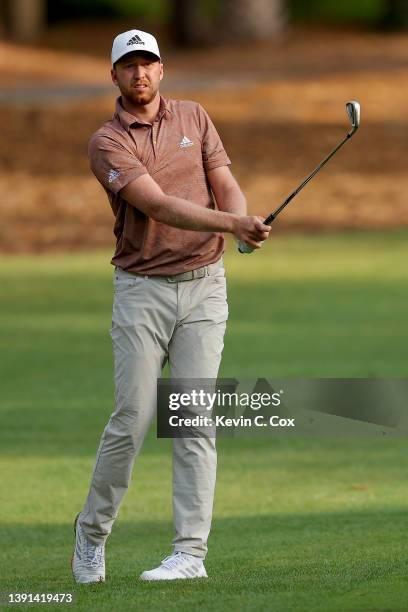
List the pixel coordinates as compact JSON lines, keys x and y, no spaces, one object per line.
{"x":243,"y":247}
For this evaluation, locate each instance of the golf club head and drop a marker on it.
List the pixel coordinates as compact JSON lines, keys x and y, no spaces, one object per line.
{"x":353,"y":111}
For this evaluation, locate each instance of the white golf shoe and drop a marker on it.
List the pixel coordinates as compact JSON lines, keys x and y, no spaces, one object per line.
{"x":88,"y":560}
{"x":177,"y":566}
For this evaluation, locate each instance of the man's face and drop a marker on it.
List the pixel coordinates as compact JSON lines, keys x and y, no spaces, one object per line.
{"x":138,"y":77}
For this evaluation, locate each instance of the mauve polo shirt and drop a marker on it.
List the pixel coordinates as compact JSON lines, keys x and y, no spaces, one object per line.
{"x":176,"y":150}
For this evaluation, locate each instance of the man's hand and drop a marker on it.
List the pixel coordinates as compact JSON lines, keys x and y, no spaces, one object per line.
{"x":251,"y":230}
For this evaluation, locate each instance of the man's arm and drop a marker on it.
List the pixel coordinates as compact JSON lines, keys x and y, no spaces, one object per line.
{"x":230,"y":198}
{"x":148,"y":197}
{"x":226,"y":190}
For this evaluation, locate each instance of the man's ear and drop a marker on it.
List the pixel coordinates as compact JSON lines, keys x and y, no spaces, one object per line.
{"x":113,"y":76}
{"x":161,"y":71}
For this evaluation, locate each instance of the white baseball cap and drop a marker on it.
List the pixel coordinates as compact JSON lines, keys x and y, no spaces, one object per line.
{"x":134,"y":40}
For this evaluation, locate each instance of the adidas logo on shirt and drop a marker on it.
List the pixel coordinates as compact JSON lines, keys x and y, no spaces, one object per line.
{"x":113,"y":175}
{"x":135,"y":40}
{"x":185,"y":142}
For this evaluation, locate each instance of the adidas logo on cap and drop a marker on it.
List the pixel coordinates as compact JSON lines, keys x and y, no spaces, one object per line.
{"x":135,"y":40}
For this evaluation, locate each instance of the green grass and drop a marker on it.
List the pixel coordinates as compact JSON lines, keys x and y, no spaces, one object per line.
{"x":299,"y":524}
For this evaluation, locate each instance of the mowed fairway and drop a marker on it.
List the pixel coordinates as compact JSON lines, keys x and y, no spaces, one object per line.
{"x":299,"y":524}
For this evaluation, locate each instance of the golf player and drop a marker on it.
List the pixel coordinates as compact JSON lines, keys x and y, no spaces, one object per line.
{"x":163,"y":167}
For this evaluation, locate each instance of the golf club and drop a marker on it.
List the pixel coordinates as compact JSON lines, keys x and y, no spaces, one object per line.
{"x":353,"y":111}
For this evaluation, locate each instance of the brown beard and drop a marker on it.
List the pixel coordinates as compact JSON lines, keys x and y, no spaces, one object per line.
{"x":139,"y":98}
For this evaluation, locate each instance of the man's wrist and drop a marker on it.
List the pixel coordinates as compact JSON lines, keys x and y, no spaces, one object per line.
{"x":231,"y":222}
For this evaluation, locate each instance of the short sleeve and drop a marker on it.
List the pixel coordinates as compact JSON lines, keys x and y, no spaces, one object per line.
{"x":213,"y":151}
{"x":113,"y":165}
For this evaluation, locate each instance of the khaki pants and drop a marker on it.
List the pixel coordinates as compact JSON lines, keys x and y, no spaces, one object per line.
{"x":155,"y":320}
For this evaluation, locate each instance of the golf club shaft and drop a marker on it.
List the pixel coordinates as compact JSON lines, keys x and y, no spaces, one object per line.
{"x":246,"y":248}
{"x":294,"y":193}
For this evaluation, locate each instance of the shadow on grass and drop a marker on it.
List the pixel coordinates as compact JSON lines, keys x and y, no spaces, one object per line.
{"x":277,"y":551}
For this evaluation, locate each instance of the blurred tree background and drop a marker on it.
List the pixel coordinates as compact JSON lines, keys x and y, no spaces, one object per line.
{"x":204,"y":21}
{"x":273,"y":74}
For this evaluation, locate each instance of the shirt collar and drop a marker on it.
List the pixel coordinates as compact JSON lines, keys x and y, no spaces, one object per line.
{"x":127,"y":120}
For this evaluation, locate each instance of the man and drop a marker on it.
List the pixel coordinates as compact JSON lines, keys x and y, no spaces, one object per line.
{"x":160,"y":161}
